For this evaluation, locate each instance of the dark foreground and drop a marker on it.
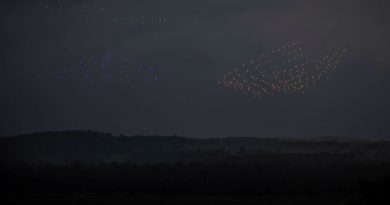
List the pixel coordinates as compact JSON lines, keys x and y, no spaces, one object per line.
{"x":183,"y":199}
{"x":86,"y":168}
{"x":196,"y":184}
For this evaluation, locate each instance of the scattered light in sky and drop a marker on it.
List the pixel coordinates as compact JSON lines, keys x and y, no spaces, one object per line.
{"x":71,"y":6}
{"x":111,"y":68}
{"x":182,"y":67}
{"x":283,"y":70}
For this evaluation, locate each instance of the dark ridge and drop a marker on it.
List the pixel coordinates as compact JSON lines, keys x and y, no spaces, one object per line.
{"x":64,"y":147}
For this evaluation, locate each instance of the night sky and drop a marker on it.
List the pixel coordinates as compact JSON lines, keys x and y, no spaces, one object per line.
{"x":155,"y":67}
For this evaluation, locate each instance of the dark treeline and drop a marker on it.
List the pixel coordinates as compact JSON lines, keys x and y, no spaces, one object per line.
{"x":84,"y":162}
{"x":94,"y":147}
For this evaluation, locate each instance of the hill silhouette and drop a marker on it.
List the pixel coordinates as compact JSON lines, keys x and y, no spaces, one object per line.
{"x":89,"y":146}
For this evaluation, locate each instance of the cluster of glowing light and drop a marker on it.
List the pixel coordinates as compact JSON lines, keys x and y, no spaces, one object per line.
{"x":283,"y":70}
{"x":127,"y":21}
{"x":140,"y":20}
{"x":71,"y":6}
{"x":111,"y":68}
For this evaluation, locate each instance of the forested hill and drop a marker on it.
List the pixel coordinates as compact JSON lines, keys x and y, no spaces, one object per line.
{"x":88,"y":146}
